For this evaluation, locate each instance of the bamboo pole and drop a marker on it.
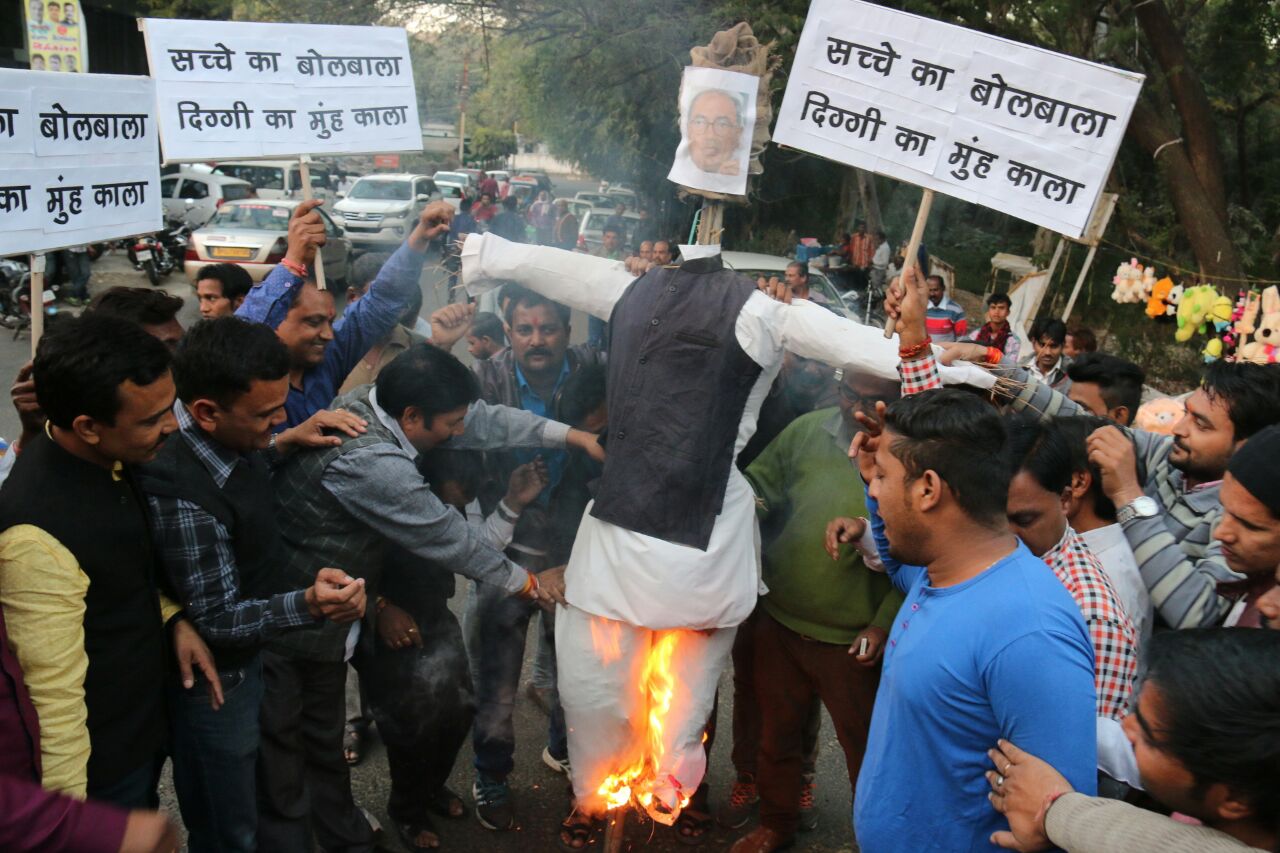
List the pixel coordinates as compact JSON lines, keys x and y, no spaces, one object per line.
{"x":304,"y":169}
{"x":913,"y":248}
{"x":37,"y":299}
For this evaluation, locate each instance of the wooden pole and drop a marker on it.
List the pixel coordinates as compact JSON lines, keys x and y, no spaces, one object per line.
{"x":304,"y":169}
{"x":615,"y":829}
{"x":37,"y":300}
{"x":913,"y":248}
{"x":711,"y":223}
{"x":1075,"y":291}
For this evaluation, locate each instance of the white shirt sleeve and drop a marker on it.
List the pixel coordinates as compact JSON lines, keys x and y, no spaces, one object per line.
{"x":584,"y":282}
{"x":812,"y":331}
{"x":1115,"y":753}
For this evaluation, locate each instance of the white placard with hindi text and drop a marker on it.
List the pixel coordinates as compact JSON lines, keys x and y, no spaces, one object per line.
{"x":78,"y":159}
{"x":234,"y":90}
{"x":998,"y":123}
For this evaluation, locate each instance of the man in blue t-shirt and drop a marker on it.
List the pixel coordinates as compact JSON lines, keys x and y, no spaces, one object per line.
{"x":987,"y":644}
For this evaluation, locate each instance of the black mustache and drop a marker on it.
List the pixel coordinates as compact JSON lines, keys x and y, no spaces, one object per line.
{"x":538,"y":351}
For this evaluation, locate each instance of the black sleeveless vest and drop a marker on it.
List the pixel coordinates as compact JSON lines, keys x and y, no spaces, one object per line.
{"x":103,"y":523}
{"x":243,"y":506}
{"x":678,"y":384}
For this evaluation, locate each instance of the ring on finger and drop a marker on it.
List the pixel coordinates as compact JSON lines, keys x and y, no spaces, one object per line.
{"x":1000,"y":780}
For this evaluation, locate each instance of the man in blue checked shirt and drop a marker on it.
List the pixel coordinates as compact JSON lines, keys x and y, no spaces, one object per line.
{"x":209,"y":492}
{"x":323,"y":351}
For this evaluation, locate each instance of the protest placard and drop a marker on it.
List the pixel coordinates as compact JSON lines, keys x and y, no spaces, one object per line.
{"x":78,"y":157}
{"x":1017,"y":128}
{"x":235,"y":89}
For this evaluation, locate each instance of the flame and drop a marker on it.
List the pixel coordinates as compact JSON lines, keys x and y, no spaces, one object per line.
{"x":637,"y":781}
{"x":606,"y":637}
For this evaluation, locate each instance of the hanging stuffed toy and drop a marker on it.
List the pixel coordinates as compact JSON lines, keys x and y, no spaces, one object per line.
{"x":1193,"y":311}
{"x":1132,"y":283}
{"x":1265,"y":349}
{"x":1159,"y":415}
{"x":1156,"y":304}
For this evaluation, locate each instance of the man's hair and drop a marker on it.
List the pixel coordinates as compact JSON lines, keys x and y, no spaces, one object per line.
{"x":582,"y":394}
{"x":999,"y":299}
{"x":939,"y":279}
{"x":1220,"y":691}
{"x":1048,"y":327}
{"x":523,"y":297}
{"x":1075,"y":432}
{"x":366,"y":268}
{"x":428,"y":378}
{"x":81,"y":362}
{"x":1250,"y":391}
{"x":739,"y":105}
{"x":801,"y":268}
{"x":611,"y":229}
{"x":219,"y":359}
{"x":959,"y":436}
{"x":486,"y":324}
{"x":1119,"y":380}
{"x":235,"y":280}
{"x":1039,"y":451}
{"x":443,"y":465}
{"x":137,"y":304}
{"x":1084,"y":338}
{"x":510,"y":202}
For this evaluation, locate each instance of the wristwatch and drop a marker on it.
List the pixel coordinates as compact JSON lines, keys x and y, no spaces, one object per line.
{"x":1143,"y":507}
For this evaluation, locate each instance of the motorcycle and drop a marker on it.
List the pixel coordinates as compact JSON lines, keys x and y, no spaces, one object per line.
{"x":15,"y":296}
{"x":159,"y":254}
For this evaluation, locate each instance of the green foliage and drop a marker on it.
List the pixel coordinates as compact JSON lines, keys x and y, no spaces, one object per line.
{"x":489,"y":144}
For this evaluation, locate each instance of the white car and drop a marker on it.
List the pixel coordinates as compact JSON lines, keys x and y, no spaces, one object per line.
{"x":205,"y":190}
{"x":381,"y":210}
{"x":461,"y":180}
{"x":254,"y":234}
{"x":775,"y":266}
{"x":277,"y":178}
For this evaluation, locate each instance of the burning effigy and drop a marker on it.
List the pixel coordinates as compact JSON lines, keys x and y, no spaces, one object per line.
{"x":666,"y":562}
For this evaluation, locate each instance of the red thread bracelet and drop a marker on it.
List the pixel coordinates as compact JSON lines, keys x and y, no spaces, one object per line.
{"x":294,"y":267}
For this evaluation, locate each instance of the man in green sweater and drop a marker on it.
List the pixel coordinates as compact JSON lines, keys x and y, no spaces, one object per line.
{"x":820,"y":630}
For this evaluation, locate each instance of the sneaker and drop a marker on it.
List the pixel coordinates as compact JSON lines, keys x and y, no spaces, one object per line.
{"x":743,"y":798}
{"x":493,"y":803}
{"x":558,"y":765}
{"x":808,"y":806}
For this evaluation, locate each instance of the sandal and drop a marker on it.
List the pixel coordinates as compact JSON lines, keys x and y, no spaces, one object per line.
{"x":692,"y":826}
{"x":447,"y":804}
{"x":410,"y":830}
{"x":353,"y":735}
{"x":576,"y":831}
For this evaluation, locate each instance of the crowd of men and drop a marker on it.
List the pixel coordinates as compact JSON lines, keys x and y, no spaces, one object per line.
{"x":1030,"y":624}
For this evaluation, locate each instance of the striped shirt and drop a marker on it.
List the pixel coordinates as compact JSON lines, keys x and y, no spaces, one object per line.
{"x":946,"y":321}
{"x":1115,"y":647}
{"x":1180,"y":561}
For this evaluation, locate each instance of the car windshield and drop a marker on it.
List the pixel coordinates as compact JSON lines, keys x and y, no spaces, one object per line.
{"x":451,"y":177}
{"x":262,"y":177}
{"x":231,"y":192}
{"x":382,"y":190}
{"x":252,"y":217}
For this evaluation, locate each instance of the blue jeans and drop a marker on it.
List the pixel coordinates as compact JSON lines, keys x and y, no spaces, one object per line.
{"x":215,"y":756}
{"x":78,"y":273}
{"x":597,"y":332}
{"x":495,"y":625}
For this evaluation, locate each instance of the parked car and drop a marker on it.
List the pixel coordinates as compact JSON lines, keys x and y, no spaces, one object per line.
{"x":253,"y":233}
{"x":452,"y":194}
{"x":577,"y":206}
{"x":591,"y":228}
{"x":381,"y":210}
{"x":770,"y":266}
{"x":593,"y":199}
{"x":461,"y":180}
{"x":499,"y":175}
{"x":617,"y":195}
{"x":277,"y":178}
{"x":473,"y":174}
{"x":524,"y":189}
{"x":539,"y":175}
{"x":204,"y":189}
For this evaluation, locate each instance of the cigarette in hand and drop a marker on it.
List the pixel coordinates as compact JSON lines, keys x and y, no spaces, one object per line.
{"x":862,"y":647}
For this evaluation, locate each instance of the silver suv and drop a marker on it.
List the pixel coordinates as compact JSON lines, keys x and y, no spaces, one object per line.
{"x":381,"y":210}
